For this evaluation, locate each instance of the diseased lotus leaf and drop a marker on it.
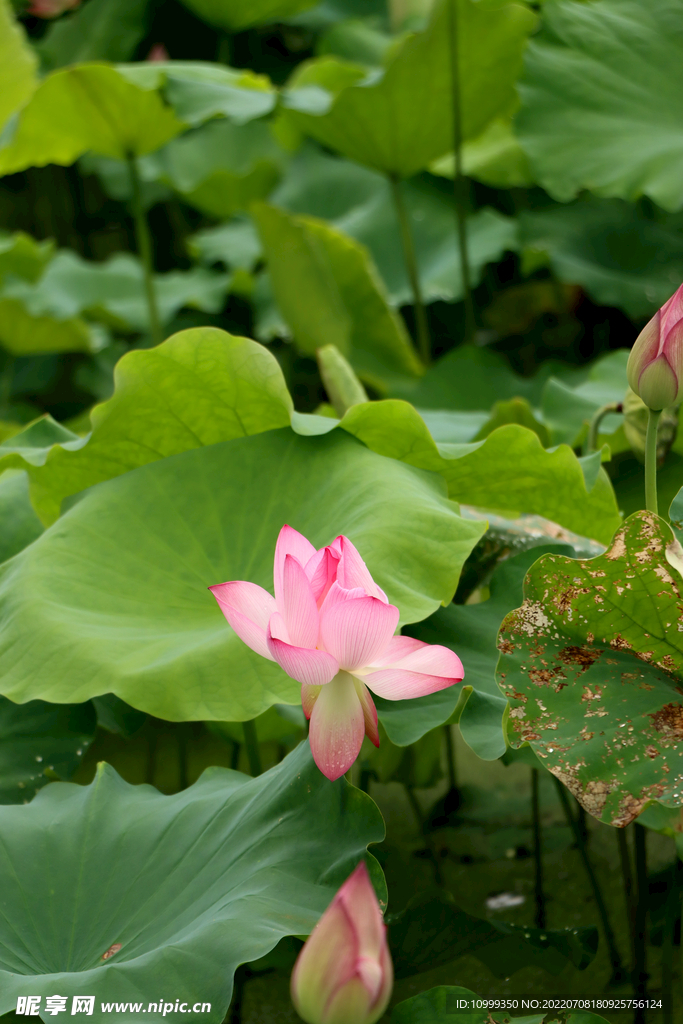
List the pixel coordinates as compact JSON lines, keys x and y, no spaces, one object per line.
{"x":592,"y":664}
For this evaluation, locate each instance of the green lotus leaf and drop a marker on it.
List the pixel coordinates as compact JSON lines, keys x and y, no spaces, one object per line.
{"x":508,"y":470}
{"x":495,"y":157}
{"x":328,"y":291}
{"x":601,"y":100}
{"x":22,"y":256}
{"x":433,"y":930}
{"x":221,"y":167}
{"x":198,"y":90}
{"x":235,"y":15}
{"x":136,"y":619}
{"x":38,"y":743}
{"x":19,"y":523}
{"x":400,"y":119}
{"x":200,"y":882}
{"x":87,"y":107}
{"x":621,"y":257}
{"x":100,"y":30}
{"x":592,"y":664}
{"x":199,"y":387}
{"x":567,"y":410}
{"x":27,"y":333}
{"x":112,"y":291}
{"x":17,"y":63}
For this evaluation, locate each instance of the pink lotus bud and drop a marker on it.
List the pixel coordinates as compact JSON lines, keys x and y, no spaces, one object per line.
{"x":51,"y":8}
{"x":344,"y":973}
{"x":158,"y":54}
{"x":655,"y":366}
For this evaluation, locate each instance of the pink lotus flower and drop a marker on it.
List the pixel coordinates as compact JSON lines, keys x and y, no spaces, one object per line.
{"x":331,"y":628}
{"x":655,"y":365}
{"x":51,"y":8}
{"x":344,"y":972}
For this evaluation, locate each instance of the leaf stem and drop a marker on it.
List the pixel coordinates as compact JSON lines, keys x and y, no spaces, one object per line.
{"x":594,"y":426}
{"x":538,"y":850}
{"x":251,"y":744}
{"x":429,"y":841}
{"x":6,"y":381}
{"x":459,"y":181}
{"x":144,"y":244}
{"x":422,"y":327}
{"x":672,"y":911}
{"x":629,"y":887}
{"x":651,"y":460}
{"x":641,"y":908}
{"x":615,"y":959}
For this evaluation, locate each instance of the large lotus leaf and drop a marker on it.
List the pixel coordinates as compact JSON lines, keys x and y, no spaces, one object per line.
{"x":221,"y":167}
{"x":450,"y":1004}
{"x":22,"y":256}
{"x":328,"y":290}
{"x":601,"y":100}
{"x":234,"y":15}
{"x":359,"y":202}
{"x":433,"y":930}
{"x":471,"y":631}
{"x":509,"y":470}
{"x":235,"y":244}
{"x":17,"y":65}
{"x":620,"y":257}
{"x":87,"y":107}
{"x":199,"y":387}
{"x":195,"y":883}
{"x":19,"y":525}
{"x":100,"y":30}
{"x":198,"y":90}
{"x":592,"y":664}
{"x":114,"y":290}
{"x":40,"y":742}
{"x":27,"y":333}
{"x":135,"y":618}
{"x":400,"y":120}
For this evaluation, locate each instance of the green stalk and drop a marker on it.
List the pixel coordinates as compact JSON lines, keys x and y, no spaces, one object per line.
{"x":6,"y":381}
{"x":643,"y":893}
{"x":651,"y":460}
{"x":144,"y":244}
{"x":450,"y":758}
{"x":251,"y":743}
{"x":459,"y":182}
{"x":615,"y":959}
{"x":672,"y":909}
{"x":538,"y":851}
{"x":629,"y":887}
{"x":424,"y":346}
{"x":594,"y":426}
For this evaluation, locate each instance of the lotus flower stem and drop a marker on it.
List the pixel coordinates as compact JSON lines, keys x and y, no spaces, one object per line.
{"x":251,"y":743}
{"x":615,"y":958}
{"x":594,"y":427}
{"x":629,"y":888}
{"x":144,"y":244}
{"x":450,"y":758}
{"x":538,"y":850}
{"x":459,"y":182}
{"x":651,"y":460}
{"x":424,"y":346}
{"x":643,"y":898}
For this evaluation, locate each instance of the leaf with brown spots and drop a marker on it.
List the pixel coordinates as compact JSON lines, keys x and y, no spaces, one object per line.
{"x":592,"y":664}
